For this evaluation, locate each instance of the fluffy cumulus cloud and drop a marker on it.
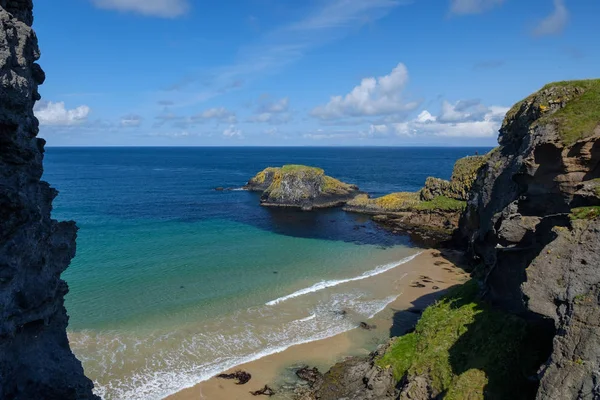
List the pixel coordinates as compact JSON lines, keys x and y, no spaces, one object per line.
{"x":154,"y":8}
{"x":131,"y":121}
{"x":465,"y":7}
{"x":233,"y":132}
{"x":57,"y":114}
{"x":554,"y":23}
{"x":461,"y":119}
{"x":373,"y":97}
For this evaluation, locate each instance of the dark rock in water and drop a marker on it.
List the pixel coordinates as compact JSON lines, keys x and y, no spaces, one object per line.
{"x":35,"y":359}
{"x":242,"y":377}
{"x":301,"y":187}
{"x":266,"y":391}
{"x":310,"y":375}
{"x":364,"y":325}
{"x":275,"y":272}
{"x":219,"y":189}
{"x":341,"y":313}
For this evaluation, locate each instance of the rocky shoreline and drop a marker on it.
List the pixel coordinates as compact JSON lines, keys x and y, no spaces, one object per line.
{"x":531,"y":228}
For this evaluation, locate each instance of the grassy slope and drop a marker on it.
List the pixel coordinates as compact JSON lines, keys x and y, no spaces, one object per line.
{"x":581,"y":114}
{"x":467,"y":350}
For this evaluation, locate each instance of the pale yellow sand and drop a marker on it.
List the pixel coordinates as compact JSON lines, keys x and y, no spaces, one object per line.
{"x":325,"y":353}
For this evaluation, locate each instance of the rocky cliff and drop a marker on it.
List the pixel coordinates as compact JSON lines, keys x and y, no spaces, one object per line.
{"x":35,"y":359}
{"x":528,"y":325}
{"x":533,"y":230}
{"x":433,"y":212}
{"x":301,"y":187}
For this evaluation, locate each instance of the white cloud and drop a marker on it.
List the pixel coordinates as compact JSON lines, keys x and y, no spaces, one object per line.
{"x":131,"y":121}
{"x":374,"y":96}
{"x":218,"y":113}
{"x":464,"y":7}
{"x":328,"y":21}
{"x":461,"y":119}
{"x":381,"y":129}
{"x":154,"y":8}
{"x":233,"y":132}
{"x":275,"y":107}
{"x":57,"y":114}
{"x":554,"y":23}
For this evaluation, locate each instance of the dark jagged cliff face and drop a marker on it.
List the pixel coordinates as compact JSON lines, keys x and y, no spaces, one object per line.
{"x":35,"y":359}
{"x":535,"y":260}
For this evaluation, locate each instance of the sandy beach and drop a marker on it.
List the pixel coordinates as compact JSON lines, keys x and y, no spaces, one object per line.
{"x":418,"y":284}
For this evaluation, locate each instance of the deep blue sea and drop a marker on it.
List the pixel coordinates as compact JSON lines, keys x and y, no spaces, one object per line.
{"x":174,"y":281}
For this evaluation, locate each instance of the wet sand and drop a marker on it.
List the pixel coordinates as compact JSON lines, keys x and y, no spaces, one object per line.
{"x":418,"y":283}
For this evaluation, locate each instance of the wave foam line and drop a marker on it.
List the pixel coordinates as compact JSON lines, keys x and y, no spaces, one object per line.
{"x":327,"y":284}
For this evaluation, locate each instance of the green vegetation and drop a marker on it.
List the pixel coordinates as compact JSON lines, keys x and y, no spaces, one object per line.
{"x":333,"y":186}
{"x":467,"y":350}
{"x":297,"y":169}
{"x":580,"y":115}
{"x":458,"y":187}
{"x":591,"y":212}
{"x":299,"y":176}
{"x":442,"y":203}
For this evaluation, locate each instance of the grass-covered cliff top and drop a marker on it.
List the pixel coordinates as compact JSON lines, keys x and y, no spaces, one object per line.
{"x":466,"y":349}
{"x":578,"y":104}
{"x":275,"y":177}
{"x":406,"y":201}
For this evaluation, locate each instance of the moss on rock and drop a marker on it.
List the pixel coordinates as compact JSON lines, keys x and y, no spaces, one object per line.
{"x":572,"y":106}
{"x":466,"y":350}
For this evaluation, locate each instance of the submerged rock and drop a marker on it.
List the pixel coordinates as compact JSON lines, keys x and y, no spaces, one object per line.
{"x":35,"y":359}
{"x":301,"y":187}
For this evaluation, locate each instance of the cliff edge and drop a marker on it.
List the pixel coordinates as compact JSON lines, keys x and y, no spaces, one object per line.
{"x":35,"y":359}
{"x":533,"y":229}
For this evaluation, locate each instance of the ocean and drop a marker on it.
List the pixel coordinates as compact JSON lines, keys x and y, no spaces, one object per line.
{"x":174,"y":281}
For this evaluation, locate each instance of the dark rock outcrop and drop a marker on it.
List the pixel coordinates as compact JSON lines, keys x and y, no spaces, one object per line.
{"x":35,"y":359}
{"x":431,"y":214}
{"x":301,"y":187}
{"x":357,"y":378}
{"x":242,"y":377}
{"x":533,"y":258}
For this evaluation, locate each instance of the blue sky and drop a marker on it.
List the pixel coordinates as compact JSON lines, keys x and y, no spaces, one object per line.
{"x":301,"y":72}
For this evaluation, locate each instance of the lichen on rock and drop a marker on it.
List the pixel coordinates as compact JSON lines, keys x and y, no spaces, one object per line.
{"x":35,"y":359}
{"x":300,"y":186}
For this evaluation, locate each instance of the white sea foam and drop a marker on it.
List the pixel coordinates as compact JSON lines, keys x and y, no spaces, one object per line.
{"x":327,"y":284}
{"x":155,"y":365}
{"x":310,"y":317}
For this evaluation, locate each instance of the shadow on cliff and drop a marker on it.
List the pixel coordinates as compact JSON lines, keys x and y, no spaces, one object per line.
{"x":507,"y":349}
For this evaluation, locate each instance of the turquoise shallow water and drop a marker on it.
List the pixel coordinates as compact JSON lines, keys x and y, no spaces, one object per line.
{"x":174,"y":281}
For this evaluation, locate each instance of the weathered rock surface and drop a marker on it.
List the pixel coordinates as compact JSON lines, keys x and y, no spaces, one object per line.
{"x":459,"y":186}
{"x":432,"y":213}
{"x":35,"y":359}
{"x":357,"y":378}
{"x":534,"y":260}
{"x":301,"y":187}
